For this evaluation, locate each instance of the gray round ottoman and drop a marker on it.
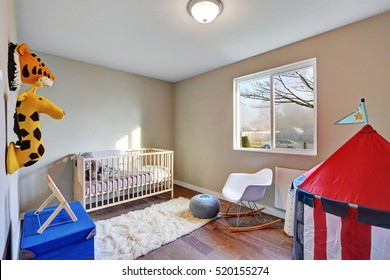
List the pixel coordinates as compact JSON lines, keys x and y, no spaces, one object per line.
{"x":204,"y":206}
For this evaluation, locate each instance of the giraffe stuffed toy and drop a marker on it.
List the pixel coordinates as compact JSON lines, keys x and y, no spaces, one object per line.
{"x":27,"y":126}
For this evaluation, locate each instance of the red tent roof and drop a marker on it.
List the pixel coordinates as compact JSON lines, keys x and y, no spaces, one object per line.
{"x":358,"y":172}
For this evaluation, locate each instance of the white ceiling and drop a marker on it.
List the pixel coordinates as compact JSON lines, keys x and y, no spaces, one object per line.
{"x":158,"y":38}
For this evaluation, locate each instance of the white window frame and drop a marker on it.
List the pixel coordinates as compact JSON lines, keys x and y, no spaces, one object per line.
{"x":272,"y":72}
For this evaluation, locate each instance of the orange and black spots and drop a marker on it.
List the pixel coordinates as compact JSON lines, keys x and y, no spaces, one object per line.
{"x":26,"y":67}
{"x":39,"y":68}
{"x":32,"y":68}
{"x":34,"y":71}
{"x":25,"y":71}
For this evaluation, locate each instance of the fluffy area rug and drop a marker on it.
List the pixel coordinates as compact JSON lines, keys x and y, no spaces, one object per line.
{"x":136,"y":233}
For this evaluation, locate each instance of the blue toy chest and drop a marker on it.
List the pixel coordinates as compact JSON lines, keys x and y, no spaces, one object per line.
{"x":63,"y":239}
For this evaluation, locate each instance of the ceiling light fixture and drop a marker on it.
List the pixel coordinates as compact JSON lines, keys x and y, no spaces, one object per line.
{"x":204,"y":11}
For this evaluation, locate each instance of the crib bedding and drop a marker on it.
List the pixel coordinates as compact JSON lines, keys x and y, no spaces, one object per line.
{"x":118,"y":179}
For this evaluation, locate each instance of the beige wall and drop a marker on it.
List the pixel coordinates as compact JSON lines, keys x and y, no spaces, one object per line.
{"x":352,"y":62}
{"x":102,"y":107}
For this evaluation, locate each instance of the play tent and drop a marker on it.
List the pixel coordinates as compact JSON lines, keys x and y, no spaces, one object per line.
{"x":342,"y":205}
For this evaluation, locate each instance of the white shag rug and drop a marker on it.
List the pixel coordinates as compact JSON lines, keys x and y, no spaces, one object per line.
{"x":136,"y":233}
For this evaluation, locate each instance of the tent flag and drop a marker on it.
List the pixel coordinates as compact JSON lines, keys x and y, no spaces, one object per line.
{"x":359,"y":116}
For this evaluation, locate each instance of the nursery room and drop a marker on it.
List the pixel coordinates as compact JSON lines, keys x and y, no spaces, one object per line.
{"x":141,"y":130}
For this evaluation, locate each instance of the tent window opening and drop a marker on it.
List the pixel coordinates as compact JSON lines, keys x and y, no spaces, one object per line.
{"x":275,"y":110}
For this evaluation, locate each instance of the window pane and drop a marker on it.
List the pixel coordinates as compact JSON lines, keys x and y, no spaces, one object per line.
{"x":255,"y":113}
{"x":275,"y":110}
{"x":294,"y":109}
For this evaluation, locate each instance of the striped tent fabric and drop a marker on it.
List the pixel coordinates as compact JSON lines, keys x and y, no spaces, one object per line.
{"x":342,"y":206}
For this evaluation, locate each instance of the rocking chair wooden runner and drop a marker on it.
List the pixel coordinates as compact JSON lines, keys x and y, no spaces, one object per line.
{"x":243,"y":187}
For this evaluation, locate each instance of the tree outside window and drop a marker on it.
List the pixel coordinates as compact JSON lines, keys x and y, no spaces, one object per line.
{"x":275,"y":110}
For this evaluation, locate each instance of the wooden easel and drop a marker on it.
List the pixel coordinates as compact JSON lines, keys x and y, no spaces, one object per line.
{"x":63,"y":205}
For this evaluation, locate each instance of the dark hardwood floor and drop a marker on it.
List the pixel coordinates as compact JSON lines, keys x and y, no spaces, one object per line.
{"x":213,"y":241}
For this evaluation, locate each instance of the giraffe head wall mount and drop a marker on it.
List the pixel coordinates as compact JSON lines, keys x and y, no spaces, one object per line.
{"x":29,"y":148}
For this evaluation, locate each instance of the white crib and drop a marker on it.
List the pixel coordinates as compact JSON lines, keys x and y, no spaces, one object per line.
{"x":107,"y":178}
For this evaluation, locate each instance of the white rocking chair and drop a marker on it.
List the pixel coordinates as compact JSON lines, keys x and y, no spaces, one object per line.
{"x":245,"y":187}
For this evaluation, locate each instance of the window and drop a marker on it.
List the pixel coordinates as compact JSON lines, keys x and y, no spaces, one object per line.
{"x":275,"y":110}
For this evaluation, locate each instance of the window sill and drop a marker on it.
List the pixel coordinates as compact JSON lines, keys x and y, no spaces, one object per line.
{"x":299,"y":152}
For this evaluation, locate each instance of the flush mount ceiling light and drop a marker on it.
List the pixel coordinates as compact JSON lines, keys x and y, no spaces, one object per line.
{"x":204,"y":11}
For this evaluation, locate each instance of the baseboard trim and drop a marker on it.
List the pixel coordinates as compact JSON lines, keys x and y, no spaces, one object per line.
{"x":198,"y":189}
{"x":269,"y":210}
